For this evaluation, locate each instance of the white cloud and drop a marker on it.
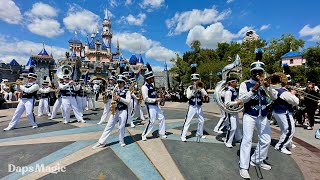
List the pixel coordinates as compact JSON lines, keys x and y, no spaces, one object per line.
{"x":40,"y":20}
{"x":139,"y":44}
{"x":182,"y":22}
{"x":107,"y":13}
{"x":42,"y":10}
{"x":133,"y":42}
{"x":10,"y":12}
{"x":113,"y":3}
{"x":81,"y":20}
{"x":128,"y":2}
{"x":45,"y":27}
{"x":213,"y":34}
{"x":138,"y":21}
{"x":21,"y":50}
{"x":309,"y":31}
{"x":161,"y":53}
{"x":157,"y":68}
{"x":229,"y":1}
{"x":265,"y":27}
{"x":153,"y":4}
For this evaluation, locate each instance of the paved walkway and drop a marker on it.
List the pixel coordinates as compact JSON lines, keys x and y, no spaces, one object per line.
{"x":55,"y":145}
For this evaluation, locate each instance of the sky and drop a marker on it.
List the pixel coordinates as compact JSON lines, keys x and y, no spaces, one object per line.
{"x":156,"y":29}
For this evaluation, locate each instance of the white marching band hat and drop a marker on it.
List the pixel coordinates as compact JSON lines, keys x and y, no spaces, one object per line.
{"x":194,"y":75}
{"x":121,"y":78}
{"x":149,"y":74}
{"x":258,"y":65}
{"x":32,"y":75}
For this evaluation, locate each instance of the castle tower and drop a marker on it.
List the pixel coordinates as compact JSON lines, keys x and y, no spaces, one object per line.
{"x":106,"y":33}
{"x":75,"y":45}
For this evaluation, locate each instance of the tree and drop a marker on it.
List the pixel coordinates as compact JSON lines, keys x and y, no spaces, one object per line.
{"x":196,"y":45}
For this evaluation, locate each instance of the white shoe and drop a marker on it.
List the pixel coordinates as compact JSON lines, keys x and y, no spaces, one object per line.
{"x":292,"y":146}
{"x":99,"y":123}
{"x":217,"y":131}
{"x":163,"y":136}
{"x":228,"y":145}
{"x":203,"y":137}
{"x":183,"y":139}
{"x":285,"y":151}
{"x":7,"y":129}
{"x":244,"y":173}
{"x":122,"y":144}
{"x":98,"y":145}
{"x":87,"y":109}
{"x":49,"y":114}
{"x":65,"y":122}
{"x":39,"y":115}
{"x":143,"y":138}
{"x":34,"y":127}
{"x":82,"y":121}
{"x":50,"y":118}
{"x":262,"y":165}
{"x":132,"y":125}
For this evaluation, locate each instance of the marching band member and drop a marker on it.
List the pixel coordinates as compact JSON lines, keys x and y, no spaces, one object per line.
{"x":136,"y":106}
{"x":29,"y":92}
{"x":127,"y":86}
{"x":195,"y":102}
{"x":231,"y":99}
{"x":18,"y":94}
{"x":91,"y":97}
{"x":68,"y":89}
{"x":253,"y":94}
{"x":44,"y":99}
{"x":5,"y":89}
{"x":282,"y":112}
{"x":96,"y":90}
{"x":106,"y":110}
{"x":223,"y":115}
{"x":151,"y":100}
{"x":122,"y":98}
{"x":81,"y":96}
{"x":58,"y":102}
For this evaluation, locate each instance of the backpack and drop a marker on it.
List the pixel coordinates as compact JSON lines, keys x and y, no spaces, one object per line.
{"x":317,"y":136}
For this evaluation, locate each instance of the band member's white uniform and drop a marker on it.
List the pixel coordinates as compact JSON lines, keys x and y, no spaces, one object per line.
{"x":57,"y":104}
{"x":96,"y":89}
{"x":81,"y":97}
{"x":231,"y":97}
{"x":5,"y":90}
{"x":91,"y":98}
{"x":29,"y":92}
{"x":282,"y":112}
{"x":127,"y":86}
{"x":106,"y":109}
{"x":222,"y":121}
{"x":69,"y":100}
{"x":149,"y":95}
{"x":136,"y":107}
{"x":195,"y":102}
{"x":254,"y":98}
{"x":44,"y":100}
{"x":119,"y":116}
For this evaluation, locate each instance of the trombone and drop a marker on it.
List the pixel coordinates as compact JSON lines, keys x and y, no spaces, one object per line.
{"x":301,"y":92}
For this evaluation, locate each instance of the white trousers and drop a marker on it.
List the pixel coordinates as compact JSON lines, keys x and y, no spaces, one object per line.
{"x":24,"y":105}
{"x":91,"y":100}
{"x":106,"y":111}
{"x":67,"y":103}
{"x":129,"y":119}
{"x":192,"y":110}
{"x":44,"y":105}
{"x":155,"y":112}
{"x":287,"y":126}
{"x":55,"y":108}
{"x":136,"y":107}
{"x":82,"y":102}
{"x":264,"y":139}
{"x":221,"y":121}
{"x":6,"y":94}
{"x":119,"y":116}
{"x":233,"y":130}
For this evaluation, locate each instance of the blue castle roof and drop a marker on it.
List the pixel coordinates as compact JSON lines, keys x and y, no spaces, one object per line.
{"x":133,"y":59}
{"x":74,"y":40}
{"x":14,"y":63}
{"x":95,"y":39}
{"x":30,"y":62}
{"x":292,"y":54}
{"x":43,"y":52}
{"x":140,"y":60}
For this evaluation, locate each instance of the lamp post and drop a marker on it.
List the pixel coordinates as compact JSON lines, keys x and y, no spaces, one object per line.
{"x":211,"y":77}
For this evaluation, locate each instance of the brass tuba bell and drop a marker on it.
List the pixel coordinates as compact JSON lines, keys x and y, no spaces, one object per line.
{"x":65,"y":70}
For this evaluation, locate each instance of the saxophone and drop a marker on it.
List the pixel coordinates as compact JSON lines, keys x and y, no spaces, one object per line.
{"x":113,"y":102}
{"x":131,"y":88}
{"x":140,"y":97}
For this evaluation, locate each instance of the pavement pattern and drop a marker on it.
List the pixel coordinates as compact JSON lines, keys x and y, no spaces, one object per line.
{"x":55,"y":145}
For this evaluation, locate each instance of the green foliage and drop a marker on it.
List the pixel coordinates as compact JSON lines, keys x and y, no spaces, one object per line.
{"x":210,"y":60}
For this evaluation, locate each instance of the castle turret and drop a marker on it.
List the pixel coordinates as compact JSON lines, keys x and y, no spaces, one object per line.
{"x":75,"y":45}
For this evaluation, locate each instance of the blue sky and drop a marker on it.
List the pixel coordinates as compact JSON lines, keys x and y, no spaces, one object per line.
{"x":158,"y":29}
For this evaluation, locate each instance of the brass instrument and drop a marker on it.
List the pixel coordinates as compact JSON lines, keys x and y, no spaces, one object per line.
{"x":140,"y":97}
{"x":131,"y":88}
{"x":113,"y":102}
{"x":163,"y":100}
{"x":65,"y":70}
{"x":199,"y":85}
{"x":301,"y":92}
